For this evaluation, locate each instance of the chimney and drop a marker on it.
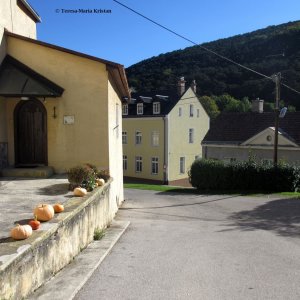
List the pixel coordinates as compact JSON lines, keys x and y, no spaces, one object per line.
{"x":194,"y":86}
{"x":181,"y":86}
{"x":258,"y":105}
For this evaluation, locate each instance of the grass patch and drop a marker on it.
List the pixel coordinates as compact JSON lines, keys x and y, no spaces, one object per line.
{"x":150,"y":187}
{"x":172,"y":189}
{"x":289,"y":194}
{"x":99,"y":234}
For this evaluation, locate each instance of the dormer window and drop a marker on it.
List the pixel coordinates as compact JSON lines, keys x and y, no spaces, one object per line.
{"x":156,"y":108}
{"x":139,"y":108}
{"x":125,"y":109}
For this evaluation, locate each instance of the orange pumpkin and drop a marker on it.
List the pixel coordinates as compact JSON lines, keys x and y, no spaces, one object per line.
{"x":34,"y":224}
{"x":58,"y":208}
{"x":80,"y":192}
{"x":21,"y":232}
{"x":44,"y":212}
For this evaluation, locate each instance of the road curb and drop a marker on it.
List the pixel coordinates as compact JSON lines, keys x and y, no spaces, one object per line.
{"x":66,"y":284}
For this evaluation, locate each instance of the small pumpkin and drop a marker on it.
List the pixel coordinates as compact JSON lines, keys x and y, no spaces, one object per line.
{"x":100,"y":181}
{"x":21,"y":232}
{"x":58,"y":208}
{"x":34,"y":224}
{"x":80,"y":192}
{"x":44,"y":212}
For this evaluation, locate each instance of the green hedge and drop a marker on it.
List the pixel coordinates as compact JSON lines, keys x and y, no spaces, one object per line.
{"x":208,"y":174}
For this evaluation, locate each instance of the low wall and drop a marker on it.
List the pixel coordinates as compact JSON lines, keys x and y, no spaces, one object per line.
{"x":37,"y":260}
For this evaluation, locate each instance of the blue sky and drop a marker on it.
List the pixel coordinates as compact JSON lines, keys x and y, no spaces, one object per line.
{"x":126,"y":38}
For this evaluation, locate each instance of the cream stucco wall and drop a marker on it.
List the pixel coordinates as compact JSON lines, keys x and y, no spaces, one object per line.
{"x":145,"y":149}
{"x":266,"y":137}
{"x":16,"y":20}
{"x":259,"y":153}
{"x":115,"y":142}
{"x":179,"y":126}
{"x":86,"y":98}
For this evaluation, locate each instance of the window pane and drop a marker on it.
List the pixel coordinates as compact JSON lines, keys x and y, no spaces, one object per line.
{"x":138,"y":137}
{"x":124,"y":162}
{"x":124,"y":137}
{"x":156,"y":108}
{"x":182,"y":165}
{"x":191,"y":110}
{"x":191,"y":135}
{"x":155,"y":138}
{"x":138,"y":164}
{"x":154,"y":165}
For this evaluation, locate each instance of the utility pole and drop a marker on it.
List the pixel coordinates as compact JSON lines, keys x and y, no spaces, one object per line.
{"x":277,"y":79}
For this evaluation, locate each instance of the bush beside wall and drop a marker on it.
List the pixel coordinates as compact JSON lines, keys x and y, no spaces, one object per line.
{"x":208,"y":174}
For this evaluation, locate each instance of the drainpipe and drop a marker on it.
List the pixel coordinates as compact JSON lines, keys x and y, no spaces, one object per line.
{"x":166,"y":150}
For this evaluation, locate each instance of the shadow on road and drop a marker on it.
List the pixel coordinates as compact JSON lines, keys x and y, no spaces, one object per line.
{"x":280,"y":216}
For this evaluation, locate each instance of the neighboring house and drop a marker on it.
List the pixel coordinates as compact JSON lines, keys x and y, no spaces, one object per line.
{"x":162,"y":134}
{"x":58,"y":107}
{"x":236,"y":136}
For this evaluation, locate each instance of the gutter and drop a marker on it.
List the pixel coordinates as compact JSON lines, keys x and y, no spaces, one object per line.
{"x":166,"y":150}
{"x":31,"y":11}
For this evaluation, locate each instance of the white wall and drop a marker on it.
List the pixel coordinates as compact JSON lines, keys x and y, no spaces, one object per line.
{"x":16,"y":20}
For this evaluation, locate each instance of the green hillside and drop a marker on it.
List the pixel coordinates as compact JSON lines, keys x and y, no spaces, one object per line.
{"x":257,"y":50}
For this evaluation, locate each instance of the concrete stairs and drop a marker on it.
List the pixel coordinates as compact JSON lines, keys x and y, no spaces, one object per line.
{"x":37,"y":172}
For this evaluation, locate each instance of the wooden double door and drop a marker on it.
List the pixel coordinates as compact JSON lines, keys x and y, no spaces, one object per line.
{"x":30,"y":120}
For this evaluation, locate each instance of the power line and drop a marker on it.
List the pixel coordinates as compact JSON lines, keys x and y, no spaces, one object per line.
{"x":202,"y":47}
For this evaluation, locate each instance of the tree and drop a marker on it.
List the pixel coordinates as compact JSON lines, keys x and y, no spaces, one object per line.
{"x":210,"y":106}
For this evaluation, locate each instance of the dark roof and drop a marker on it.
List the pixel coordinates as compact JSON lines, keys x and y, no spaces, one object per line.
{"x":167,"y":100}
{"x":18,"y":80}
{"x":236,"y":128}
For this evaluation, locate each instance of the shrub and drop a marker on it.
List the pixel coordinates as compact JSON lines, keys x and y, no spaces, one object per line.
{"x":104,"y":174}
{"x":84,"y":176}
{"x":208,"y":174}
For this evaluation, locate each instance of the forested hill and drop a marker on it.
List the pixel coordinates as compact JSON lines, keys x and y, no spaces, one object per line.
{"x":270,"y":50}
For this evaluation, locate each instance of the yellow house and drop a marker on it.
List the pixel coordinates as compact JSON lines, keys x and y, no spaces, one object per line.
{"x":238,"y":136}
{"x":162,"y":134}
{"x":58,"y":107}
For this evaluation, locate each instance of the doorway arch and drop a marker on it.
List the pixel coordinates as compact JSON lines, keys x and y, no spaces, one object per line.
{"x":30,"y":132}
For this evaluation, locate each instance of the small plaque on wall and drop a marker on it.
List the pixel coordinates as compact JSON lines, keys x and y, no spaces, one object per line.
{"x":69,"y":120}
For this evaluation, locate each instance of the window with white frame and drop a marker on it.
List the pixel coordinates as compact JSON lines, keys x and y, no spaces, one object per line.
{"x":156,"y":108}
{"x":138,"y":164}
{"x":154,"y":165}
{"x":179,"y":111}
{"x":198,"y":113}
{"x":124,"y":137}
{"x":182,"y":165}
{"x":191,"y":110}
{"x":191,"y":135}
{"x":155,"y":138}
{"x":125,"y":109}
{"x":140,"y":108}
{"x":138,"y":137}
{"x":125,"y":162}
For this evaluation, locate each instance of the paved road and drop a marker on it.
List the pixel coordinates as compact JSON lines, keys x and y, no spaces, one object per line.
{"x":202,"y":247}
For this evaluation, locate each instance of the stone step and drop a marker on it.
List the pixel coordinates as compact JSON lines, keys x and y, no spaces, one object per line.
{"x":37,"y":172}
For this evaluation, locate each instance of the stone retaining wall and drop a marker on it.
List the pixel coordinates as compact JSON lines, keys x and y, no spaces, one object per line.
{"x":68,"y":233}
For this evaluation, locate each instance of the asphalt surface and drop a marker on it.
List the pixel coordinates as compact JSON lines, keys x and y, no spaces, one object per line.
{"x":184,"y":246}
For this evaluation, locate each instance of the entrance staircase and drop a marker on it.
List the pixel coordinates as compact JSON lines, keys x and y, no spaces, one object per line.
{"x":36,"y":172}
